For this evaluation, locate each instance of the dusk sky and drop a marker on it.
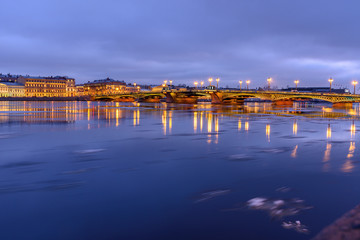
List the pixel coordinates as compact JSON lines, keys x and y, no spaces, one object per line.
{"x":148,"y":41}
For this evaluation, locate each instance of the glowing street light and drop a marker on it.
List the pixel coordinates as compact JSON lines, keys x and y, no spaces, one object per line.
{"x":202,"y":83}
{"x":240,"y":82}
{"x":165,"y":82}
{"x":247,"y":84}
{"x":196,"y":83}
{"x":296,"y":83}
{"x":269,"y":81}
{"x":354,"y":83}
{"x":330,"y":81}
{"x":170,"y":82}
{"x":210,"y":80}
{"x":217,"y":83}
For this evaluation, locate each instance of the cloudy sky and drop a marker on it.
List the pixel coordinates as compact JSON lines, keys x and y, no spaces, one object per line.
{"x":147,"y":41}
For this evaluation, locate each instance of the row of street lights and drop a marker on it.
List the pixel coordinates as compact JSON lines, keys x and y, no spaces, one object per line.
{"x":269,"y":80}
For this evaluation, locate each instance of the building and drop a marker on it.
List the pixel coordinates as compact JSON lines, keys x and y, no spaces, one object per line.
{"x":105,"y":87}
{"x":48,"y":86}
{"x":14,"y":89}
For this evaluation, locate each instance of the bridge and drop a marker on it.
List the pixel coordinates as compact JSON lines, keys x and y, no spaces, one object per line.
{"x":230,"y":97}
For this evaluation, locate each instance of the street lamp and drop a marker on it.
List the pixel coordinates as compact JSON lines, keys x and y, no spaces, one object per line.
{"x":296,"y":83}
{"x":247,"y":84}
{"x":354,"y":83}
{"x":210,"y":80}
{"x":202,"y":83}
{"x":134,"y":87}
{"x":165,"y":81}
{"x":195,"y":83}
{"x":330,"y":81}
{"x":217,"y":83}
{"x":170,"y":82}
{"x":240,"y":82}
{"x":269,"y":81}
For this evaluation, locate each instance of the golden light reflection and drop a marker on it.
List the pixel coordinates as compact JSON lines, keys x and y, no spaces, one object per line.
{"x":195,"y":121}
{"x":246,"y":126}
{"x":239,"y":125}
{"x":164,"y":121}
{"x":216,"y":124}
{"x":117,"y":117}
{"x":209,"y":123}
{"x":328,"y":132}
{"x":268,"y":132}
{"x":295,"y":127}
{"x":294,"y":152}
{"x":201,"y":121}
{"x":348,"y":165}
{"x":352,"y":129}
{"x":170,"y":121}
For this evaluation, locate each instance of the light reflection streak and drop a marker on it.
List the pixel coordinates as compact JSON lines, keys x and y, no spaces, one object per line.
{"x":239,"y":125}
{"x":352,"y":129}
{"x":328,"y":132}
{"x":295,"y":128}
{"x":195,"y":121}
{"x":201,"y":121}
{"x":294,"y":152}
{"x":267,"y":131}
{"x":348,"y":166}
{"x":246,"y":126}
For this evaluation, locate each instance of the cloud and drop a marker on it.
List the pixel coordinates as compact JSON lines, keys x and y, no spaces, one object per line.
{"x":150,"y":40}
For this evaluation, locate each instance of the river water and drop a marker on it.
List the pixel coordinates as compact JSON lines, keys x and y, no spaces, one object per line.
{"x":105,"y":170}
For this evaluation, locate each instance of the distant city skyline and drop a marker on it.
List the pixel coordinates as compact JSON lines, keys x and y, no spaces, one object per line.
{"x":185,"y":41}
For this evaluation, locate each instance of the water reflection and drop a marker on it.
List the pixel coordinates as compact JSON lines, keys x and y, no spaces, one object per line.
{"x":328,"y":131}
{"x":326,"y":158}
{"x":267,"y":131}
{"x":238,"y":156}
{"x":348,"y":166}
{"x":295,"y":128}
{"x":352,"y":129}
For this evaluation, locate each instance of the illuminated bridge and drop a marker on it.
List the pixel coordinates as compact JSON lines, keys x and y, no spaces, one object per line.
{"x":230,"y":97}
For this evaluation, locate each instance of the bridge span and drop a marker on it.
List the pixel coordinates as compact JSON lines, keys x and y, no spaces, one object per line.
{"x":230,"y":97}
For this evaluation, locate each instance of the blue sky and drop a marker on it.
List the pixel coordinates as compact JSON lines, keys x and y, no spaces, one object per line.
{"x":148,"y":41}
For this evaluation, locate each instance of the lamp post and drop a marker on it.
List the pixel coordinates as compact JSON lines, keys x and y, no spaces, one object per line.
{"x":165,"y":81}
{"x":210,"y":80}
{"x":269,"y":81}
{"x":247,"y":84}
{"x":354,"y":83}
{"x":195,"y":83}
{"x":217,"y":83}
{"x":240,"y":82}
{"x":202,"y":83}
{"x":296,"y":83}
{"x":170,"y":82}
{"x":330,"y":81}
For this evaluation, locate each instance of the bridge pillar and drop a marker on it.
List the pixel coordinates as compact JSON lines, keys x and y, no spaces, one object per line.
{"x":169,"y":97}
{"x":343,"y":105}
{"x":216,"y":97}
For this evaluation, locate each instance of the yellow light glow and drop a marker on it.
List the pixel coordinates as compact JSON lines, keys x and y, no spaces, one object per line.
{"x":267,"y":131}
{"x":217,"y":80}
{"x":239,"y":125}
{"x":246,"y":126}
{"x":195,"y":121}
{"x":328,"y":132}
{"x":295,"y":128}
{"x":330,"y":80}
{"x":352,"y":129}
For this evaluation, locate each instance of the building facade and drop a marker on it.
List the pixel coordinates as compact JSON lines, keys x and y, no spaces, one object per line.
{"x":104,"y":87}
{"x":48,"y":86}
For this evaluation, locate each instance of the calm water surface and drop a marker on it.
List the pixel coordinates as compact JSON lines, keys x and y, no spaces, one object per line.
{"x":97,"y":170}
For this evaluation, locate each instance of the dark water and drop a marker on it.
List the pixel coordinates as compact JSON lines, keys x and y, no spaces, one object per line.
{"x":91,"y":170}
